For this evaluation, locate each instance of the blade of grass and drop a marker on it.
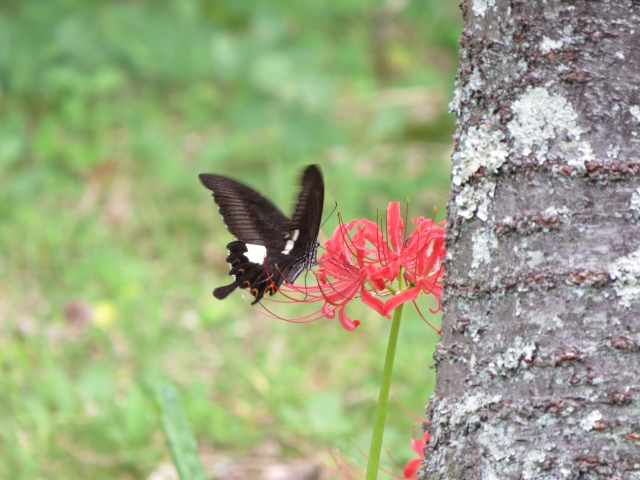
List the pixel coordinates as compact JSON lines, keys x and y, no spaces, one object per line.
{"x":182,"y":443}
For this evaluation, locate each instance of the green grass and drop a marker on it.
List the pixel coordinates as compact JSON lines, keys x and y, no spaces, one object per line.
{"x":110,"y":247}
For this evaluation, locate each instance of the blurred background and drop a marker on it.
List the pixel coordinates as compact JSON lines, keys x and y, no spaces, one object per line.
{"x":110,"y":247}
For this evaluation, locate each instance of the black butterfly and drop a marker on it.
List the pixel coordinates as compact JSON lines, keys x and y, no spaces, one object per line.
{"x":270,"y":247}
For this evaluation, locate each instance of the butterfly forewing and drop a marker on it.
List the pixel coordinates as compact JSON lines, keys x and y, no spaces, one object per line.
{"x":308,"y":213}
{"x":249,"y":216}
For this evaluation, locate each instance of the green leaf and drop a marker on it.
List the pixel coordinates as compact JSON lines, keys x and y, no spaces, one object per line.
{"x":181,"y":440}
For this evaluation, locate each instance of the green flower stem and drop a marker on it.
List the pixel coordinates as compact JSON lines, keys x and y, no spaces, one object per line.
{"x":383,"y":399}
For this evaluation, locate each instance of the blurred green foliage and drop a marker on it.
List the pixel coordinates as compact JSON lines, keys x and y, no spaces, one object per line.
{"x":110,"y":247}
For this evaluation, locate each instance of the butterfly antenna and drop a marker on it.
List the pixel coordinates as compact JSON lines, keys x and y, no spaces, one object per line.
{"x":329,"y":216}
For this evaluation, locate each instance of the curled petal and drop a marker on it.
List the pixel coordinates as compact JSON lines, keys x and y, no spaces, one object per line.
{"x":346,"y":322}
{"x":385,"y":308}
{"x":411,"y":468}
{"x":418,"y":446}
{"x":371,"y":301}
{"x":327,"y":311}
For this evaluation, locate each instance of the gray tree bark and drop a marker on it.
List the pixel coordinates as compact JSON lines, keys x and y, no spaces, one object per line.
{"x":538,"y":368}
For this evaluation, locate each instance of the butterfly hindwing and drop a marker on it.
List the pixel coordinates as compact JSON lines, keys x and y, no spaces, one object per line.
{"x":258,"y":278}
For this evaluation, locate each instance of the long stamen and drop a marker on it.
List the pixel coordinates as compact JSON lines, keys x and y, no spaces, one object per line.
{"x":415,"y":259}
{"x":438,"y":331}
{"x":294,"y":288}
{"x":382,"y":243}
{"x":337,"y":254}
{"x":435,"y":279}
{"x":394,"y":462}
{"x":407,"y":411}
{"x":344,"y":265}
{"x":290,"y":285}
{"x":312,"y":317}
{"x":345,"y":231}
{"x":386,"y":250}
{"x":308,"y":292}
{"x":361,"y":254}
{"x":346,"y":469}
{"x":336,"y":291}
{"x":385,"y":229}
{"x":437,"y":282}
{"x":345,"y":296}
{"x":270,"y":314}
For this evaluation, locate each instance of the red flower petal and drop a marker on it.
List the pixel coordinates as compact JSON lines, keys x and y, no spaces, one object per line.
{"x":372,"y":301}
{"x":418,"y":446}
{"x":395,"y":226}
{"x":411,"y":468}
{"x":399,"y":298}
{"x":327,"y":311}
{"x":346,"y":322}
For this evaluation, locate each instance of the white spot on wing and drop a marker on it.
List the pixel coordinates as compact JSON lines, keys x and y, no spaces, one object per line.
{"x":288,"y":246}
{"x":256,"y":253}
{"x":291,"y":242}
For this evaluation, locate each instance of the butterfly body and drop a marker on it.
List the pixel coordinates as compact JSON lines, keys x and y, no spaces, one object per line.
{"x":270,"y":248}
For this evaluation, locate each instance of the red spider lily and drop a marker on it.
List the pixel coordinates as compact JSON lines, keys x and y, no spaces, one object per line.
{"x":360,"y":261}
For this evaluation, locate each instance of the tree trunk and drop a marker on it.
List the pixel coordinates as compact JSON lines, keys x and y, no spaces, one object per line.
{"x":539,"y":362}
